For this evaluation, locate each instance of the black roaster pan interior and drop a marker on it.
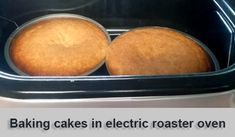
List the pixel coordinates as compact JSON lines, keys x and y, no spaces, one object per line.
{"x":210,"y":21}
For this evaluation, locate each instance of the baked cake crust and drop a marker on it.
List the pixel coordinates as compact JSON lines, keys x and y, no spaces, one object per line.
{"x":59,"y":47}
{"x":156,"y":50}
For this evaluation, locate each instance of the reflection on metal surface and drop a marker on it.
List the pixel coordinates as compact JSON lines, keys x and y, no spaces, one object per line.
{"x":225,"y":14}
{"x":229,"y":7}
{"x":230,"y":29}
{"x":9,"y":20}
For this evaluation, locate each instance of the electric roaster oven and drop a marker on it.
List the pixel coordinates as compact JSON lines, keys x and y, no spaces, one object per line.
{"x":117,"y":53}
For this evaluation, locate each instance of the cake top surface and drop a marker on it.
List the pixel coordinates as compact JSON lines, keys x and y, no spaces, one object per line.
{"x":156,"y":50}
{"x":58,"y":47}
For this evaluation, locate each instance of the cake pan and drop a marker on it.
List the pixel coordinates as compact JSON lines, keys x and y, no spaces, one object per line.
{"x":214,"y":62}
{"x":47,"y":17}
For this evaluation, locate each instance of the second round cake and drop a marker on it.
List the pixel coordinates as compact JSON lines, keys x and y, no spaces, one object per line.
{"x":156,"y":50}
{"x":59,"y":46}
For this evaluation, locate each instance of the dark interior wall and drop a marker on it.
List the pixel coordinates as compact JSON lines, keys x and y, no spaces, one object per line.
{"x":195,"y":17}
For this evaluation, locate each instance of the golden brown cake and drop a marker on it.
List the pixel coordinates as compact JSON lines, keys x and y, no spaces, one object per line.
{"x":156,"y":50}
{"x":65,"y":46}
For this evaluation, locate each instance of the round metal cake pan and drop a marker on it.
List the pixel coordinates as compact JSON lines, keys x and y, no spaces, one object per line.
{"x":48,"y":17}
{"x":215,"y":64}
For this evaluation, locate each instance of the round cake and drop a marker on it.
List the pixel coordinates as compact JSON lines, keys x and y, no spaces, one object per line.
{"x":59,"y":46}
{"x":156,"y":50}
